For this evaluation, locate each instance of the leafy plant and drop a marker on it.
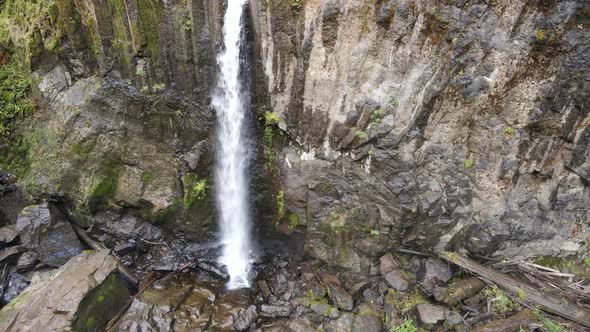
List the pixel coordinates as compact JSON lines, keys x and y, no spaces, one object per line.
{"x":15,"y":101}
{"x":509,"y":130}
{"x":361,"y":134}
{"x":194,"y":189}
{"x":549,"y":324}
{"x":406,"y":326}
{"x":140,"y":71}
{"x":271,"y":118}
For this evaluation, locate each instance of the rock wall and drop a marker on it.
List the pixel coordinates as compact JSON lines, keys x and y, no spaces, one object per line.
{"x":124,"y":121}
{"x":431,"y":124}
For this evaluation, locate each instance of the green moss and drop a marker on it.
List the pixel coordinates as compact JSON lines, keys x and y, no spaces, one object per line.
{"x":500,"y":302}
{"x":405,"y":302}
{"x":280,"y":204}
{"x":105,"y":186}
{"x":147,"y":177}
{"x":360,"y":134}
{"x":540,"y":34}
{"x":294,"y":220}
{"x":149,"y":16}
{"x":194,"y":189}
{"x":574,"y":265}
{"x":101,"y":304}
{"x":521,"y":295}
{"x":30,"y":26}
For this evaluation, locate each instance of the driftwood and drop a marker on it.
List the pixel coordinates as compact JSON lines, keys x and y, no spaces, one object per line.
{"x":512,"y":323}
{"x":97,"y":246}
{"x":547,"y":302}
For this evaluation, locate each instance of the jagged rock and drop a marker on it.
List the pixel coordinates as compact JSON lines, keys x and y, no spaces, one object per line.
{"x":124,"y":248}
{"x":275,"y":311}
{"x":7,"y":234}
{"x":27,"y":261}
{"x":430,"y":314}
{"x":16,"y":284}
{"x":214,"y":270}
{"x":246,"y":318}
{"x":42,"y":229}
{"x":10,"y":255}
{"x":343,"y":324}
{"x":264,"y":289}
{"x":321,"y":308}
{"x":368,"y":319}
{"x":85,"y":292}
{"x":339,"y":296}
{"x":388,"y":263}
{"x":433,"y":272}
{"x":397,"y":280}
{"x":294,"y":325}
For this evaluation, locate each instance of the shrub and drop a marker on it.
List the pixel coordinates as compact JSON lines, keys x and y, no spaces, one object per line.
{"x":15,"y":101}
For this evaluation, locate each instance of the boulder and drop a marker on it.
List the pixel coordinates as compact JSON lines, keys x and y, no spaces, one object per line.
{"x":343,"y":324}
{"x":81,"y":295}
{"x":397,"y":280}
{"x":246,"y":318}
{"x":275,"y":311}
{"x":433,"y":272}
{"x":368,"y":319}
{"x":7,"y":234}
{"x":430,"y":314}
{"x":43,"y":230}
{"x":387,"y":263}
{"x":339,"y":296}
{"x":16,"y":284}
{"x":27,"y":261}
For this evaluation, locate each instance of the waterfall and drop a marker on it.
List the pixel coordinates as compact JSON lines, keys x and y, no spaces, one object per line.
{"x":230,"y":103}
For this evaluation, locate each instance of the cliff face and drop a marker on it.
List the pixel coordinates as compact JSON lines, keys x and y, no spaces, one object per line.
{"x":124,"y":122}
{"x":432,"y":124}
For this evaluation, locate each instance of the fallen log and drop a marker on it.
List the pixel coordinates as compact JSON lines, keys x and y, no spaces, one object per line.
{"x":547,"y":302}
{"x":461,"y":290}
{"x":512,"y":323}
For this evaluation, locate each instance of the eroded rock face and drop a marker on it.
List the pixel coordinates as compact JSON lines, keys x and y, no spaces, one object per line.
{"x":434,"y":125}
{"x":83,"y":294}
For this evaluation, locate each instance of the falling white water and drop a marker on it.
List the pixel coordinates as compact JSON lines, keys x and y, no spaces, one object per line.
{"x":232,"y":154}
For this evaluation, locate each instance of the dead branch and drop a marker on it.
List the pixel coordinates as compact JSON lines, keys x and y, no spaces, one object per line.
{"x":547,"y":302}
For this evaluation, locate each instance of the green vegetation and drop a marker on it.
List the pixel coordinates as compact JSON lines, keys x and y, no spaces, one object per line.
{"x":377,"y":116}
{"x":500,"y":302}
{"x":540,"y":34}
{"x":106,"y":185}
{"x":509,"y":130}
{"x":549,"y":324}
{"x":360,"y":134}
{"x":406,"y":301}
{"x":406,"y":326}
{"x":521,"y":295}
{"x":271,"y":119}
{"x":393,"y":102}
{"x":194,"y":189}
{"x":468,"y":163}
{"x":15,"y":101}
{"x":30,"y":26}
{"x":297,"y":4}
{"x":587,"y":262}
{"x":140,"y":71}
{"x":280,"y":205}
{"x":188,"y":25}
{"x":147,"y":177}
{"x":294,"y":220}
